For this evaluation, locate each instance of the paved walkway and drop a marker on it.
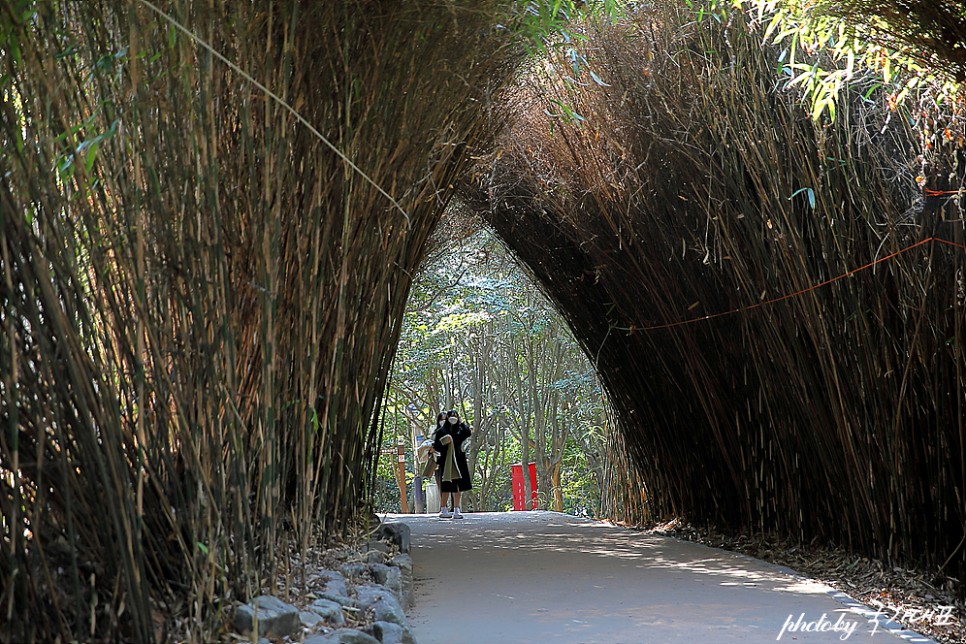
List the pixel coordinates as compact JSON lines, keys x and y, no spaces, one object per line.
{"x":502,"y":578}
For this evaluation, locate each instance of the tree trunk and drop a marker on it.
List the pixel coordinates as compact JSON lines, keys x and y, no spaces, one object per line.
{"x":555,"y":485}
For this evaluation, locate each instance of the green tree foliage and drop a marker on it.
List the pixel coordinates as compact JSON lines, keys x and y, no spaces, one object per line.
{"x":896,"y":51}
{"x":479,"y":337}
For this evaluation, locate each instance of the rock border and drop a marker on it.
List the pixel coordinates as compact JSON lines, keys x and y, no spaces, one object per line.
{"x":360,"y":597}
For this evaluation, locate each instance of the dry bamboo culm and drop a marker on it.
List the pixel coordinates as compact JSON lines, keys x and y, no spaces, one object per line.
{"x":698,"y":184}
{"x":200,"y":298}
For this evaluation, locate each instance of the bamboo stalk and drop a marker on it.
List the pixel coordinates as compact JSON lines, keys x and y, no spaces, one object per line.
{"x":683,"y":194}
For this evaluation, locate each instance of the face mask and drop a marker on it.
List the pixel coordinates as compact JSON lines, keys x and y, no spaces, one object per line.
{"x":453,"y":420}
{"x":440,"y":423}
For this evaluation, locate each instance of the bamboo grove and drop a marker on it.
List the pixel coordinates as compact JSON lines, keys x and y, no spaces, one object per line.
{"x":670,"y":203}
{"x":207,"y":241}
{"x":200,"y":297}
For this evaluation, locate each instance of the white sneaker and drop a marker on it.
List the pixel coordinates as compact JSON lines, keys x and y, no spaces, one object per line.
{"x":457,"y":514}
{"x":444,"y":513}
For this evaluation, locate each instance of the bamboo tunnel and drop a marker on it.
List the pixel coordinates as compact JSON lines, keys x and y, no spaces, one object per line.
{"x":211,"y":213}
{"x":668,"y":223}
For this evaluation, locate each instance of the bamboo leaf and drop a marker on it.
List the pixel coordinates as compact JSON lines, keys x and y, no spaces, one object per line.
{"x":597,"y":79}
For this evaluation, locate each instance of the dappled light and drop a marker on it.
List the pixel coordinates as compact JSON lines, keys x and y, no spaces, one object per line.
{"x":585,"y":581}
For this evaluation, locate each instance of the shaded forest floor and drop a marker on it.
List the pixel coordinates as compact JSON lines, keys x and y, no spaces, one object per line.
{"x":914,"y":598}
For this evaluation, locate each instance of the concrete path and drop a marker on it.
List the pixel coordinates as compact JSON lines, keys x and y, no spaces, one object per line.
{"x":502,"y":578}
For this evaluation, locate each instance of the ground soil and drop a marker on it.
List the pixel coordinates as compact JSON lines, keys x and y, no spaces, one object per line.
{"x":920,"y":600}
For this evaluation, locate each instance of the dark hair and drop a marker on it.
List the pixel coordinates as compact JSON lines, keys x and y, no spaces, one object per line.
{"x":452,"y":412}
{"x":442,"y":416}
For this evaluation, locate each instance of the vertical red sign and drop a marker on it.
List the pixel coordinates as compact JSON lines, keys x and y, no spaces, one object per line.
{"x":533,"y":486}
{"x":516,"y":483}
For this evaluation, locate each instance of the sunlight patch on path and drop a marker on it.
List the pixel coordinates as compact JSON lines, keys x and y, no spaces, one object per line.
{"x":542,"y":576}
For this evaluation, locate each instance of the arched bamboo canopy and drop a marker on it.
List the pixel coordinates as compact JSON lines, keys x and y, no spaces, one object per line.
{"x":774,"y":308}
{"x":200,"y":297}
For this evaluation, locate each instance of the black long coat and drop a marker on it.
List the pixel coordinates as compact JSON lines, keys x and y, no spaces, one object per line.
{"x":460,"y":433}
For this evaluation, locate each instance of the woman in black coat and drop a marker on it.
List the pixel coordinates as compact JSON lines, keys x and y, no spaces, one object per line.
{"x":454,"y":470}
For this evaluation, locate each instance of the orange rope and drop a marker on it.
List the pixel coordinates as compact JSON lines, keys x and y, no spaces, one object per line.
{"x":939,"y":193}
{"x":798,"y":293}
{"x":949,"y":243}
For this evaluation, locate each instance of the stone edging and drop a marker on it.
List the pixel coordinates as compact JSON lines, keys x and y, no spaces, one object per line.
{"x":374,"y":591}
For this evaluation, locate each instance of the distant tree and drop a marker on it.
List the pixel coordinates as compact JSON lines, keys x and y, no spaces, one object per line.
{"x":479,"y":337}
